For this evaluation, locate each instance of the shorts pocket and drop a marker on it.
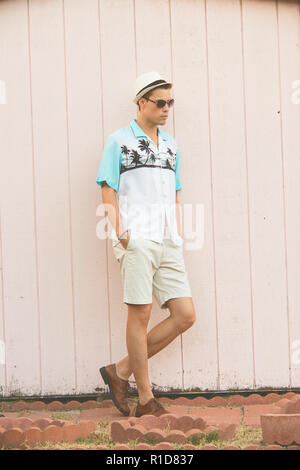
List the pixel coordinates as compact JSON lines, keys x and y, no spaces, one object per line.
{"x":119,"y":249}
{"x":129,"y":243}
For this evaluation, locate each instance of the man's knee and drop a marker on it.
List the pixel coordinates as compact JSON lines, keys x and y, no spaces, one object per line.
{"x":183,"y":314}
{"x":187,"y":320}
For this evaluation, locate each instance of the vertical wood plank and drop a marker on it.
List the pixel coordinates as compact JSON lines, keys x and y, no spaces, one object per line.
{"x":191,"y":116}
{"x":3,"y":382}
{"x":52,"y":190}
{"x":84,"y":107}
{"x":21,"y":314}
{"x":266,"y":217}
{"x":229,"y":194}
{"x":289,"y":60}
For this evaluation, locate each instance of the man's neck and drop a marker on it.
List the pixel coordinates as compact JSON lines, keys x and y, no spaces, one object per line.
{"x":149,"y":129}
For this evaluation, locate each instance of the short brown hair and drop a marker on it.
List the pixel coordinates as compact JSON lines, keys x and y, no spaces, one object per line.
{"x":149,"y":93}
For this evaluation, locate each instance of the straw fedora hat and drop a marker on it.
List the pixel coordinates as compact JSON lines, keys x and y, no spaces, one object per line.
{"x":146,"y":82}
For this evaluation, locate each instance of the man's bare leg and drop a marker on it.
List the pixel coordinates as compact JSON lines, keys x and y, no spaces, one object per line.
{"x":182,"y":316}
{"x":136,"y":338}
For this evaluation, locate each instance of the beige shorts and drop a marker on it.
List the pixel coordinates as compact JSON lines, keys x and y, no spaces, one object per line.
{"x":148,"y":267}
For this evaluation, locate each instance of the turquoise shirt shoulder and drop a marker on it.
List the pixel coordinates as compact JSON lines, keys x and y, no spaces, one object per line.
{"x":110,"y":165}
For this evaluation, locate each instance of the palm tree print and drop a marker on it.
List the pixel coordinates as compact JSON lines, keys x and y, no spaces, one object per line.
{"x":152,"y":158}
{"x":133,"y":158}
{"x":168,"y":164}
{"x":144,"y":146}
{"x":125,"y":152}
{"x":169,"y":151}
{"x":136,"y":157}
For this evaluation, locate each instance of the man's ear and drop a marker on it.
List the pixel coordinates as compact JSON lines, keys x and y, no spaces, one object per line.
{"x":141,"y":101}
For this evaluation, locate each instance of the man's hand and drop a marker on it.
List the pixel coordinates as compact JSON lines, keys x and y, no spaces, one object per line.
{"x":125,"y":241}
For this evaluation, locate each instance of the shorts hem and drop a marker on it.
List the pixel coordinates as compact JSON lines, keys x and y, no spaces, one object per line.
{"x":137,"y":302}
{"x":175,"y":296}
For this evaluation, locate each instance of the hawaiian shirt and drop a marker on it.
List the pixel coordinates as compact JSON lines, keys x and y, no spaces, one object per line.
{"x":146,"y":178}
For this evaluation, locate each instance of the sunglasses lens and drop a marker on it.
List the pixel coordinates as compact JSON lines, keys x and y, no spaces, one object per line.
{"x":162,"y":103}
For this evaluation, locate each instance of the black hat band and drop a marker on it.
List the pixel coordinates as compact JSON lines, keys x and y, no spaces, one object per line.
{"x":157,"y":82}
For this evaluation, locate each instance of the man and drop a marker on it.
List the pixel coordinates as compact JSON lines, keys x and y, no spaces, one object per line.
{"x":140,"y":165}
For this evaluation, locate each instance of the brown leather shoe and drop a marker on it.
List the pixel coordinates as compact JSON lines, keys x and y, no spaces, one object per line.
{"x":152,"y":407}
{"x":117,"y":386}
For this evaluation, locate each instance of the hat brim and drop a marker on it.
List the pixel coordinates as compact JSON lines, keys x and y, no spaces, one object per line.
{"x":140,"y":95}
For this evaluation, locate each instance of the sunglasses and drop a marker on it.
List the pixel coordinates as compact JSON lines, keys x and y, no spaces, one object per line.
{"x":162,"y":103}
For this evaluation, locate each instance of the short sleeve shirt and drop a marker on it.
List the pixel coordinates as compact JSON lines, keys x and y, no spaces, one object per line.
{"x":145,"y":177}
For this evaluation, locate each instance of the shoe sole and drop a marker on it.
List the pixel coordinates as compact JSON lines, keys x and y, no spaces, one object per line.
{"x":138,"y":415}
{"x":108,"y":382}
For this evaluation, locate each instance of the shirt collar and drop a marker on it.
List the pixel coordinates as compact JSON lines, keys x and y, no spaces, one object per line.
{"x":138,"y":131}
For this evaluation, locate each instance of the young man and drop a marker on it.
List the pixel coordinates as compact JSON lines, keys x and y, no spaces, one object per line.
{"x":140,"y":165}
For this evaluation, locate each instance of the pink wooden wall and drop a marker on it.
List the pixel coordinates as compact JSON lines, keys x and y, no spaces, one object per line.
{"x":68,"y":68}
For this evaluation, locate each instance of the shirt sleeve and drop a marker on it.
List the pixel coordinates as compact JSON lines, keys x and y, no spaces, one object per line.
{"x":177,"y":177}
{"x":110,"y":165}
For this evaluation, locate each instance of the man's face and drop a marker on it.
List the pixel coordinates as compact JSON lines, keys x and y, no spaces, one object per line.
{"x":151,"y":112}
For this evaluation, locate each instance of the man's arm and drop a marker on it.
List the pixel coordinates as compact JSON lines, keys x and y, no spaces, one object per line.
{"x":109,"y":198}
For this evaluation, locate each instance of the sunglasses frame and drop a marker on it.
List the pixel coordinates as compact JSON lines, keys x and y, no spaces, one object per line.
{"x":165,"y":102}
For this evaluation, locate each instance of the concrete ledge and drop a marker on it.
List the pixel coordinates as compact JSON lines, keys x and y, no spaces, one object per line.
{"x":24,"y":431}
{"x":281,"y":429}
{"x":167,"y":428}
